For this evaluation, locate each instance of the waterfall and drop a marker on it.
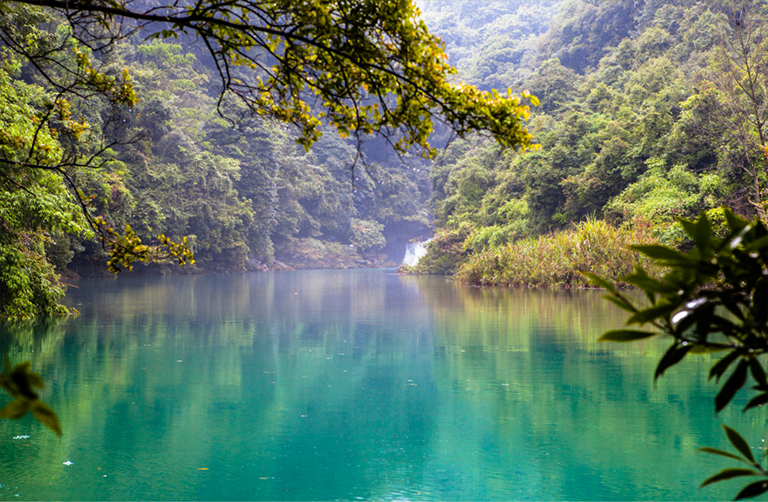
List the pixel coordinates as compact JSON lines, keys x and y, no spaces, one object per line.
{"x":414,"y":251}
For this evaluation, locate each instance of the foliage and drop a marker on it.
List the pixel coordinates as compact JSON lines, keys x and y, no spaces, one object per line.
{"x":19,"y":382}
{"x":172,"y":168}
{"x":712,"y":299}
{"x":738,"y":95}
{"x":367,"y":234}
{"x":582,"y":31}
{"x":491,"y":43}
{"x":660,"y":195}
{"x":308,"y":252}
{"x":244,"y":196}
{"x":372,"y":66}
{"x":649,"y":111}
{"x":445,"y":252}
{"x":45,"y":144}
{"x":134,"y":129}
{"x":28,"y":285}
{"x":128,"y":249}
{"x":555,"y":259}
{"x":34,"y":206}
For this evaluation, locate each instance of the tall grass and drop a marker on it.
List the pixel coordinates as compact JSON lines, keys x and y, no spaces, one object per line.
{"x":555,"y":260}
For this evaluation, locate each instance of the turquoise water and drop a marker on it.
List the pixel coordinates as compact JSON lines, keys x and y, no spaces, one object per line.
{"x":325,"y":385}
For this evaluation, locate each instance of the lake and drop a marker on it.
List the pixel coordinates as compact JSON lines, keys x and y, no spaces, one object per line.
{"x":356,"y":384}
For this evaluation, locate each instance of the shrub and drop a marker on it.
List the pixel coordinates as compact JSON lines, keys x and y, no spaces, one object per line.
{"x":556,"y":259}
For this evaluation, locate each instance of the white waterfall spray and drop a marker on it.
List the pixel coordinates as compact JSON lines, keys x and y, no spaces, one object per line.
{"x":414,"y":251}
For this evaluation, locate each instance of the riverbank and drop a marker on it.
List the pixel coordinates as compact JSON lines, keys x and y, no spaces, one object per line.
{"x":294,"y":254}
{"x":553,"y":260}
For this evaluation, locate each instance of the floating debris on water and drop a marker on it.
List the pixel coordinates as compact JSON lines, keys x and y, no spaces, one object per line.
{"x":21,"y":437}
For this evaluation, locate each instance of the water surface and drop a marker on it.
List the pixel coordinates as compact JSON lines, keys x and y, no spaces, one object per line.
{"x":325,"y":385}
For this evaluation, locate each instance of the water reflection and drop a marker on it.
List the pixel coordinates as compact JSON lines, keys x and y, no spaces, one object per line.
{"x":320,"y":385}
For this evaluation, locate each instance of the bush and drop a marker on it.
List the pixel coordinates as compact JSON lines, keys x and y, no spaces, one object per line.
{"x":556,"y":259}
{"x":368,"y":234}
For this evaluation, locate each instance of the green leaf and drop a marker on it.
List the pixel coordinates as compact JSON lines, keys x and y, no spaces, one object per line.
{"x":651,"y":314}
{"x":689,"y":227}
{"x":648,"y":284}
{"x":664,"y":253}
{"x":758,"y":373}
{"x":35,"y":380}
{"x":729,"y":474}
{"x":674,"y":355}
{"x":738,"y":442}
{"x":722,"y":365}
{"x":753,"y":490}
{"x":14,"y":410}
{"x":758,"y":245}
{"x":599,"y":281}
{"x":703,"y":231}
{"x":722,"y":453}
{"x":735,"y":382}
{"x":625,"y":335}
{"x":621,"y":303}
{"x":46,"y":416}
{"x":758,"y":400}
{"x":708,"y":349}
{"x":735,"y":223}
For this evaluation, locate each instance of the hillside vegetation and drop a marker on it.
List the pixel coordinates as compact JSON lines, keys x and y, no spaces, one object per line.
{"x":649,"y":111}
{"x":245,"y":194}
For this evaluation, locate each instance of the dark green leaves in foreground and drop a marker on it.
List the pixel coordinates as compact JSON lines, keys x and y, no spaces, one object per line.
{"x":20,"y":383}
{"x":713,"y":299}
{"x":738,"y":442}
{"x":625,"y":335}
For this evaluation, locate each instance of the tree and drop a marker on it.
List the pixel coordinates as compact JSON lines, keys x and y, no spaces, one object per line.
{"x":35,"y":208}
{"x":362,"y":67}
{"x":46,"y":142}
{"x":367,"y":235}
{"x":732,"y":107}
{"x":371,"y":66}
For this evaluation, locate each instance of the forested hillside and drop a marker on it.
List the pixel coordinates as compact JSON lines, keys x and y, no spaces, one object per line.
{"x":250,"y":195}
{"x":245,"y":193}
{"x":649,"y":111}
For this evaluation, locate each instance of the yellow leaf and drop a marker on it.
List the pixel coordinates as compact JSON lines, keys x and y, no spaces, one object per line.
{"x":14,"y":410}
{"x":46,"y":416}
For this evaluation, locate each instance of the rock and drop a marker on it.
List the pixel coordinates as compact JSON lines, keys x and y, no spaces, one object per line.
{"x":255,"y":265}
{"x":278,"y":265}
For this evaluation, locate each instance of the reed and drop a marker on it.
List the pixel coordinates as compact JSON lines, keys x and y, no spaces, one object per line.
{"x":555,"y":260}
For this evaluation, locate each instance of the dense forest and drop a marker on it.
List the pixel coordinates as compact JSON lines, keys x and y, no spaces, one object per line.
{"x":644,"y":116}
{"x":649,"y":111}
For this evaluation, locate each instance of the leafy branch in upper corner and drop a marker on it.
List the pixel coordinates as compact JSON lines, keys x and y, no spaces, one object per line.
{"x":713,"y":299}
{"x":371,"y":66}
{"x":19,"y":382}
